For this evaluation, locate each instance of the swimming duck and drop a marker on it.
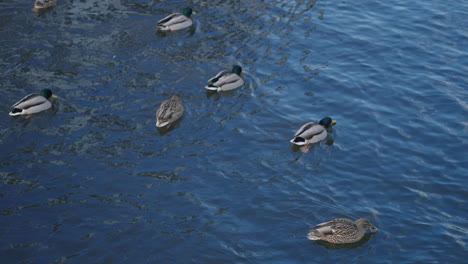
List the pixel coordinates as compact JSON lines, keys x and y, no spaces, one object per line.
{"x":169,"y":111}
{"x":312,"y":132}
{"x":341,"y":231}
{"x":44,"y":4}
{"x":176,"y":21}
{"x":226,"y":80}
{"x":33,"y":103}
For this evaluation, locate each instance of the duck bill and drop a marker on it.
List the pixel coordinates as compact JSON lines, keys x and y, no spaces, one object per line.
{"x":333,"y":122}
{"x":54,"y":96}
{"x":373,"y":228}
{"x":194,"y":13}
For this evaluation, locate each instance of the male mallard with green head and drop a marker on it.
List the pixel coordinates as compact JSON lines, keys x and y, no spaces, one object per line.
{"x":226,"y":80}
{"x":312,"y":132}
{"x":176,"y":21}
{"x":33,"y":103}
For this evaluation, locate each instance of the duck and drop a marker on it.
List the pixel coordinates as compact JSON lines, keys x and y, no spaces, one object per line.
{"x":341,"y":231}
{"x":44,"y":4}
{"x":169,"y":111}
{"x":33,"y":103}
{"x":226,"y":80}
{"x":312,"y":132}
{"x":176,"y":21}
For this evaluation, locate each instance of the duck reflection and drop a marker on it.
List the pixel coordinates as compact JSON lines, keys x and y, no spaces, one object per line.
{"x":216,"y":95}
{"x":295,"y":148}
{"x":166,"y":129}
{"x":361,"y":242}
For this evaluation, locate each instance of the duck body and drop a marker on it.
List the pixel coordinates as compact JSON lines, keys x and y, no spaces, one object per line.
{"x":176,"y":21}
{"x":226,"y":80}
{"x":32,"y":103}
{"x":341,"y":231}
{"x":312,"y":132}
{"x":44,"y":4}
{"x":169,"y":111}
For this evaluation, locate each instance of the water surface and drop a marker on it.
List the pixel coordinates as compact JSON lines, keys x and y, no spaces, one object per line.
{"x":94,"y":181}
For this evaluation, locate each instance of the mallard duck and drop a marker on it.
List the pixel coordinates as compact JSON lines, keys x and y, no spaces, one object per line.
{"x":44,"y":4}
{"x":33,"y":103}
{"x":176,"y":21}
{"x":226,"y":80}
{"x":169,"y":111}
{"x":341,"y":231}
{"x":312,"y":132}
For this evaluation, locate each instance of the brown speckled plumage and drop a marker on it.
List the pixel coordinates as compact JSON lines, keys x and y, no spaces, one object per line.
{"x":169,"y":111}
{"x":340,"y":231}
{"x":44,"y":4}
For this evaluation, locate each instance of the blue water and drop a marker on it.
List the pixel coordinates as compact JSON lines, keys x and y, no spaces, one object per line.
{"x":94,"y":181}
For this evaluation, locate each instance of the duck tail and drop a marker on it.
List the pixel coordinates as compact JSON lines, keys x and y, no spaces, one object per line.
{"x":314,"y":235}
{"x":213,"y":88}
{"x":162,"y":27}
{"x":15,"y":112}
{"x":161,"y":124}
{"x":298,"y":141}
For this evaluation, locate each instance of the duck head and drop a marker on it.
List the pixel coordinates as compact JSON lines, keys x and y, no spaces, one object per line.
{"x":327,"y":122}
{"x":237,"y":69}
{"x":365,"y":224}
{"x":47,"y":93}
{"x":188,"y":12}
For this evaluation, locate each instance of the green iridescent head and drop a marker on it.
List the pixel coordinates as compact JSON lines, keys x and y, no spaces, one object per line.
{"x":188,"y":12}
{"x":237,"y":69}
{"x":47,"y":93}
{"x":327,"y":122}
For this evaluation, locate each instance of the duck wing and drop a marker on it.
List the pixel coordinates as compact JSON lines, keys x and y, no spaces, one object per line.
{"x":226,"y":79}
{"x":163,"y":111}
{"x":334,"y":222}
{"x":30,"y":104}
{"x":214,"y":80}
{"x":170,"y":110}
{"x":339,"y":227}
{"x":172,"y":19}
{"x":309,"y":130}
{"x":29,"y":101}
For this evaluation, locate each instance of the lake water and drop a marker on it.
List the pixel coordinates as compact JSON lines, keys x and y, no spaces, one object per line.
{"x":94,"y":181}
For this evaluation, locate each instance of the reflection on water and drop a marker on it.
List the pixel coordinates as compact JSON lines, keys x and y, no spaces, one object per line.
{"x":41,"y":11}
{"x":360,"y":243}
{"x":166,"y":129}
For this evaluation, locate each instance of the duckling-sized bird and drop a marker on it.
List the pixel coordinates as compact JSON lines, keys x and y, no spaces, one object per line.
{"x":226,"y":80}
{"x":341,"y":231}
{"x":169,"y":111}
{"x":40,"y":5}
{"x":176,"y":21}
{"x":312,"y":132}
{"x":33,"y":103}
